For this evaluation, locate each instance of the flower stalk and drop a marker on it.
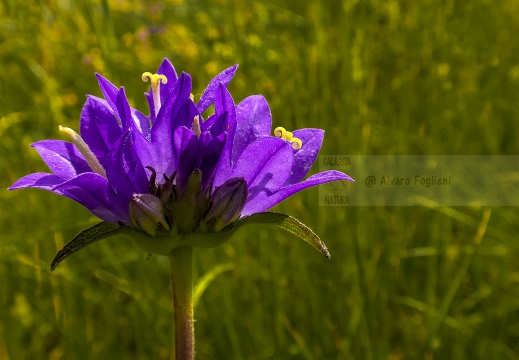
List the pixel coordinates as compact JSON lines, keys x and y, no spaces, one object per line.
{"x":181,"y":263}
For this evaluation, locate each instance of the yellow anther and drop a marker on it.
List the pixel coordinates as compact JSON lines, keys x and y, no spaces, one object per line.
{"x":196,"y":126}
{"x":288,"y":136}
{"x":84,"y":150}
{"x":296,"y":143}
{"x":155,"y":79}
{"x":280,"y":132}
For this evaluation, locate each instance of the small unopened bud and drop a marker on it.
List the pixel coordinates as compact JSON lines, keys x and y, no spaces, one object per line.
{"x":147,"y":213}
{"x":227,"y":203}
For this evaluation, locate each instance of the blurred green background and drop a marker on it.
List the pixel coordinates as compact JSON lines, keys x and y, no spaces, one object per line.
{"x":382,"y":77}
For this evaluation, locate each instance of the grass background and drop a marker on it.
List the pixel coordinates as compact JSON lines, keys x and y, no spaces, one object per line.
{"x":382,"y":77}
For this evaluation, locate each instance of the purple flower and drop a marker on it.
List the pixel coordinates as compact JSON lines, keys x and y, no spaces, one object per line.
{"x":173,"y":178}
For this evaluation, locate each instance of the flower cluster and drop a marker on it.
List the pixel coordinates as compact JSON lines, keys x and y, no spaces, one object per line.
{"x":173,"y":173}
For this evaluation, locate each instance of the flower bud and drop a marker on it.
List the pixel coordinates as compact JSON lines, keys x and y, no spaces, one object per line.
{"x":227,"y":203}
{"x":191,"y":205}
{"x":147,"y":213}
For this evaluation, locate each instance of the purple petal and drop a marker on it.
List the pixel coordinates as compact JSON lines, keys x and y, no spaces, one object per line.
{"x":204,"y":139}
{"x":62,"y":158}
{"x":95,"y":193}
{"x":169,"y":109}
{"x":167,"y":69}
{"x":211,"y":157}
{"x":109,"y":91}
{"x":219,"y":124}
{"x":265,"y":165}
{"x":42,"y":181}
{"x":225,"y":104}
{"x":186,"y":149}
{"x":185,"y":115}
{"x":253,"y":120}
{"x":158,"y":150}
{"x":141,"y":122}
{"x":304,"y":158}
{"x":208,"y":123}
{"x":159,"y":154}
{"x":99,"y":127}
{"x":124,"y":169}
{"x":209,"y":95}
{"x":263,"y":201}
{"x":123,"y":108}
{"x":151,"y":105}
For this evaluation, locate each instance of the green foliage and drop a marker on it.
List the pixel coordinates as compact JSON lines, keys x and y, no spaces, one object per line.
{"x":382,"y":77}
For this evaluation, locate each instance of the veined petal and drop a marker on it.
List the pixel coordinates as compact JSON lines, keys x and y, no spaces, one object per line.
{"x":264,"y":201}
{"x":95,"y":193}
{"x":39,"y":180}
{"x":253,"y":120}
{"x":62,"y":158}
{"x":167,"y":69}
{"x":99,"y":127}
{"x":304,"y":157}
{"x":210,"y":92}
{"x":124,"y":169}
{"x":265,"y":165}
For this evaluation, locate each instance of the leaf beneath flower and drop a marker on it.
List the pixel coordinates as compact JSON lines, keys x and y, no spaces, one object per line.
{"x":85,"y":238}
{"x":289,"y":224}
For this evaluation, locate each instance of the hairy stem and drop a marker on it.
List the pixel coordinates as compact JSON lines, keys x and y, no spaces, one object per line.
{"x":181,"y":262}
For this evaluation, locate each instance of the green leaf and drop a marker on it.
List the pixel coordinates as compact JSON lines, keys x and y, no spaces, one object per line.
{"x":289,"y":224}
{"x":85,"y":238}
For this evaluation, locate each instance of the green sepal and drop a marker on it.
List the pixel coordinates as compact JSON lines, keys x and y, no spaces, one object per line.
{"x":85,"y":238}
{"x":289,"y":224}
{"x":164,"y":245}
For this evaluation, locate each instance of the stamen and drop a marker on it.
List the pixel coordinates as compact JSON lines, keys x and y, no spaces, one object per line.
{"x":196,"y":126}
{"x":287,"y":135}
{"x":155,"y":79}
{"x":83,"y":148}
{"x":296,"y":143}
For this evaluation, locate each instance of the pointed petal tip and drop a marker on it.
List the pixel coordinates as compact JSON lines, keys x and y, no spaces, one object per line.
{"x":333,"y":175}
